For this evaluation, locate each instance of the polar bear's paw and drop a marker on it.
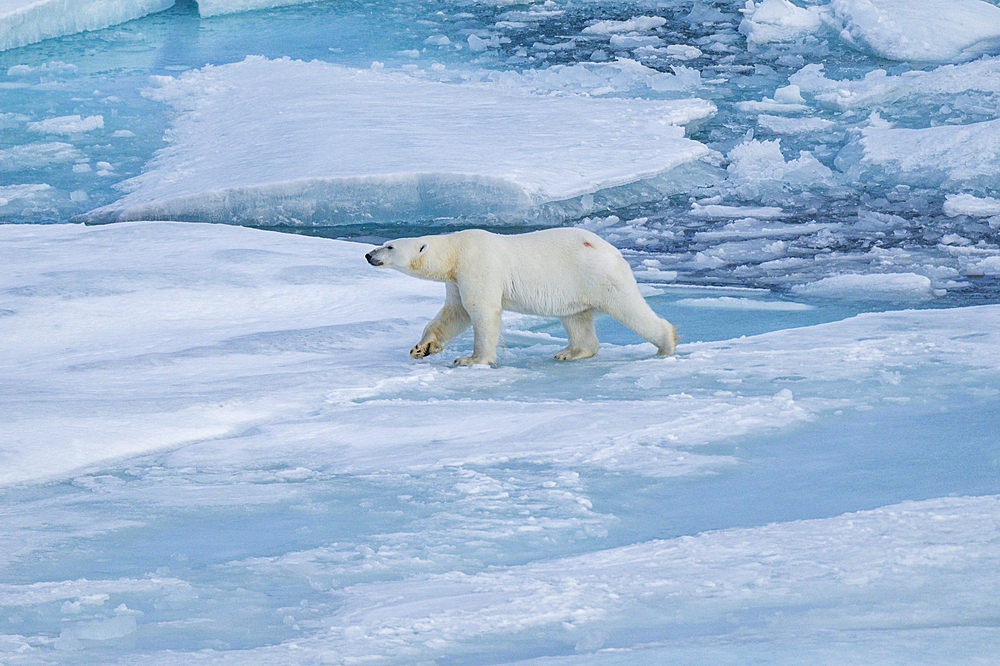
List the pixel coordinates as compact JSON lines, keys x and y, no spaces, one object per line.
{"x":474,"y":360}
{"x":670,"y":344}
{"x":574,"y":353}
{"x":422,"y":349}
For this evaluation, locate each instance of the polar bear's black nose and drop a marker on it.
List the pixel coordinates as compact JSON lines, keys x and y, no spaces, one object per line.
{"x":372,"y":260}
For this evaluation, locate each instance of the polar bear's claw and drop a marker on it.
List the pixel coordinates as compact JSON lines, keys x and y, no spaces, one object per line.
{"x":420,"y":350}
{"x":573,"y":353}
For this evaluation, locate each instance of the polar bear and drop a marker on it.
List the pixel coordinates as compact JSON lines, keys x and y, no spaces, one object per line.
{"x":566,"y":273}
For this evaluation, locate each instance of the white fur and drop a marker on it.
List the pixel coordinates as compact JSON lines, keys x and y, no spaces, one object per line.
{"x":564,"y":273}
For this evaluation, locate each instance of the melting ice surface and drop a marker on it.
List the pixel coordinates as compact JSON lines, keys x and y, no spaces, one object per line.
{"x":214,"y":448}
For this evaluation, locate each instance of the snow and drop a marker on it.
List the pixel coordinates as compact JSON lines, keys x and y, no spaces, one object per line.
{"x":227,"y":421}
{"x":296,"y":141}
{"x":25,"y":22}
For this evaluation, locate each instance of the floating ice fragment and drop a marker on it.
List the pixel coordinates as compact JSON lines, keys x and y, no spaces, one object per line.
{"x":987,"y":266}
{"x":790,"y":94}
{"x":683,"y":51}
{"x":731,"y":303}
{"x":758,"y":170}
{"x":207,"y":8}
{"x":772,"y":21}
{"x":67,"y":125}
{"x":967,"y":204}
{"x":877,"y":87}
{"x":11,"y":193}
{"x":716,"y":211}
{"x":636,"y":24}
{"x":632,"y":41}
{"x":893,"y":287}
{"x":37,"y":155}
{"x":781,"y":125}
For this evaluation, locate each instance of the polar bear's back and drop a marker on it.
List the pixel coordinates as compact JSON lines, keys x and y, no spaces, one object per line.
{"x":553,"y":271}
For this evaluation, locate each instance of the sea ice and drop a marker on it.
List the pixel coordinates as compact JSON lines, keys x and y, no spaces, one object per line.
{"x":758,"y":171}
{"x":282,"y":140}
{"x":25,"y":22}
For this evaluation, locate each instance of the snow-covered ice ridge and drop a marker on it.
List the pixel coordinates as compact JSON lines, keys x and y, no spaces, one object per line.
{"x":217,"y":451}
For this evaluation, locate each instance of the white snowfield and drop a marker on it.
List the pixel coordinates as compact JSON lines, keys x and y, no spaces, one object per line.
{"x":270,"y":140}
{"x":165,"y":385}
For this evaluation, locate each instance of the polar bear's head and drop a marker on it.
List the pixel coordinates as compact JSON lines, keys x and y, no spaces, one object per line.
{"x":418,"y":257}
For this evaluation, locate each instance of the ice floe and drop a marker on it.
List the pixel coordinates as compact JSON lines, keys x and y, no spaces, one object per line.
{"x":25,"y":22}
{"x":282,"y":140}
{"x":919,"y":30}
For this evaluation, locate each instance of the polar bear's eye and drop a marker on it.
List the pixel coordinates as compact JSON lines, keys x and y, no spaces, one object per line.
{"x":388,"y":247}
{"x":423,"y":247}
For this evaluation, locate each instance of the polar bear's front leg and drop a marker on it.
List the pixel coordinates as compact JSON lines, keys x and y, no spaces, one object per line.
{"x":486,"y":328}
{"x":450,"y":322}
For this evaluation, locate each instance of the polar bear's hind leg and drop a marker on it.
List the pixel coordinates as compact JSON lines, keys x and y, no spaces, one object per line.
{"x":583,"y":342}
{"x":632,"y":310}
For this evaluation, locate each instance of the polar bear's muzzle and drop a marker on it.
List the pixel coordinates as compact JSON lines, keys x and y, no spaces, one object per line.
{"x":372,"y":259}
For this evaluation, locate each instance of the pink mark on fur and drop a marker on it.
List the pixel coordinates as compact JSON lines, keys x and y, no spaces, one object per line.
{"x":586,"y":244}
